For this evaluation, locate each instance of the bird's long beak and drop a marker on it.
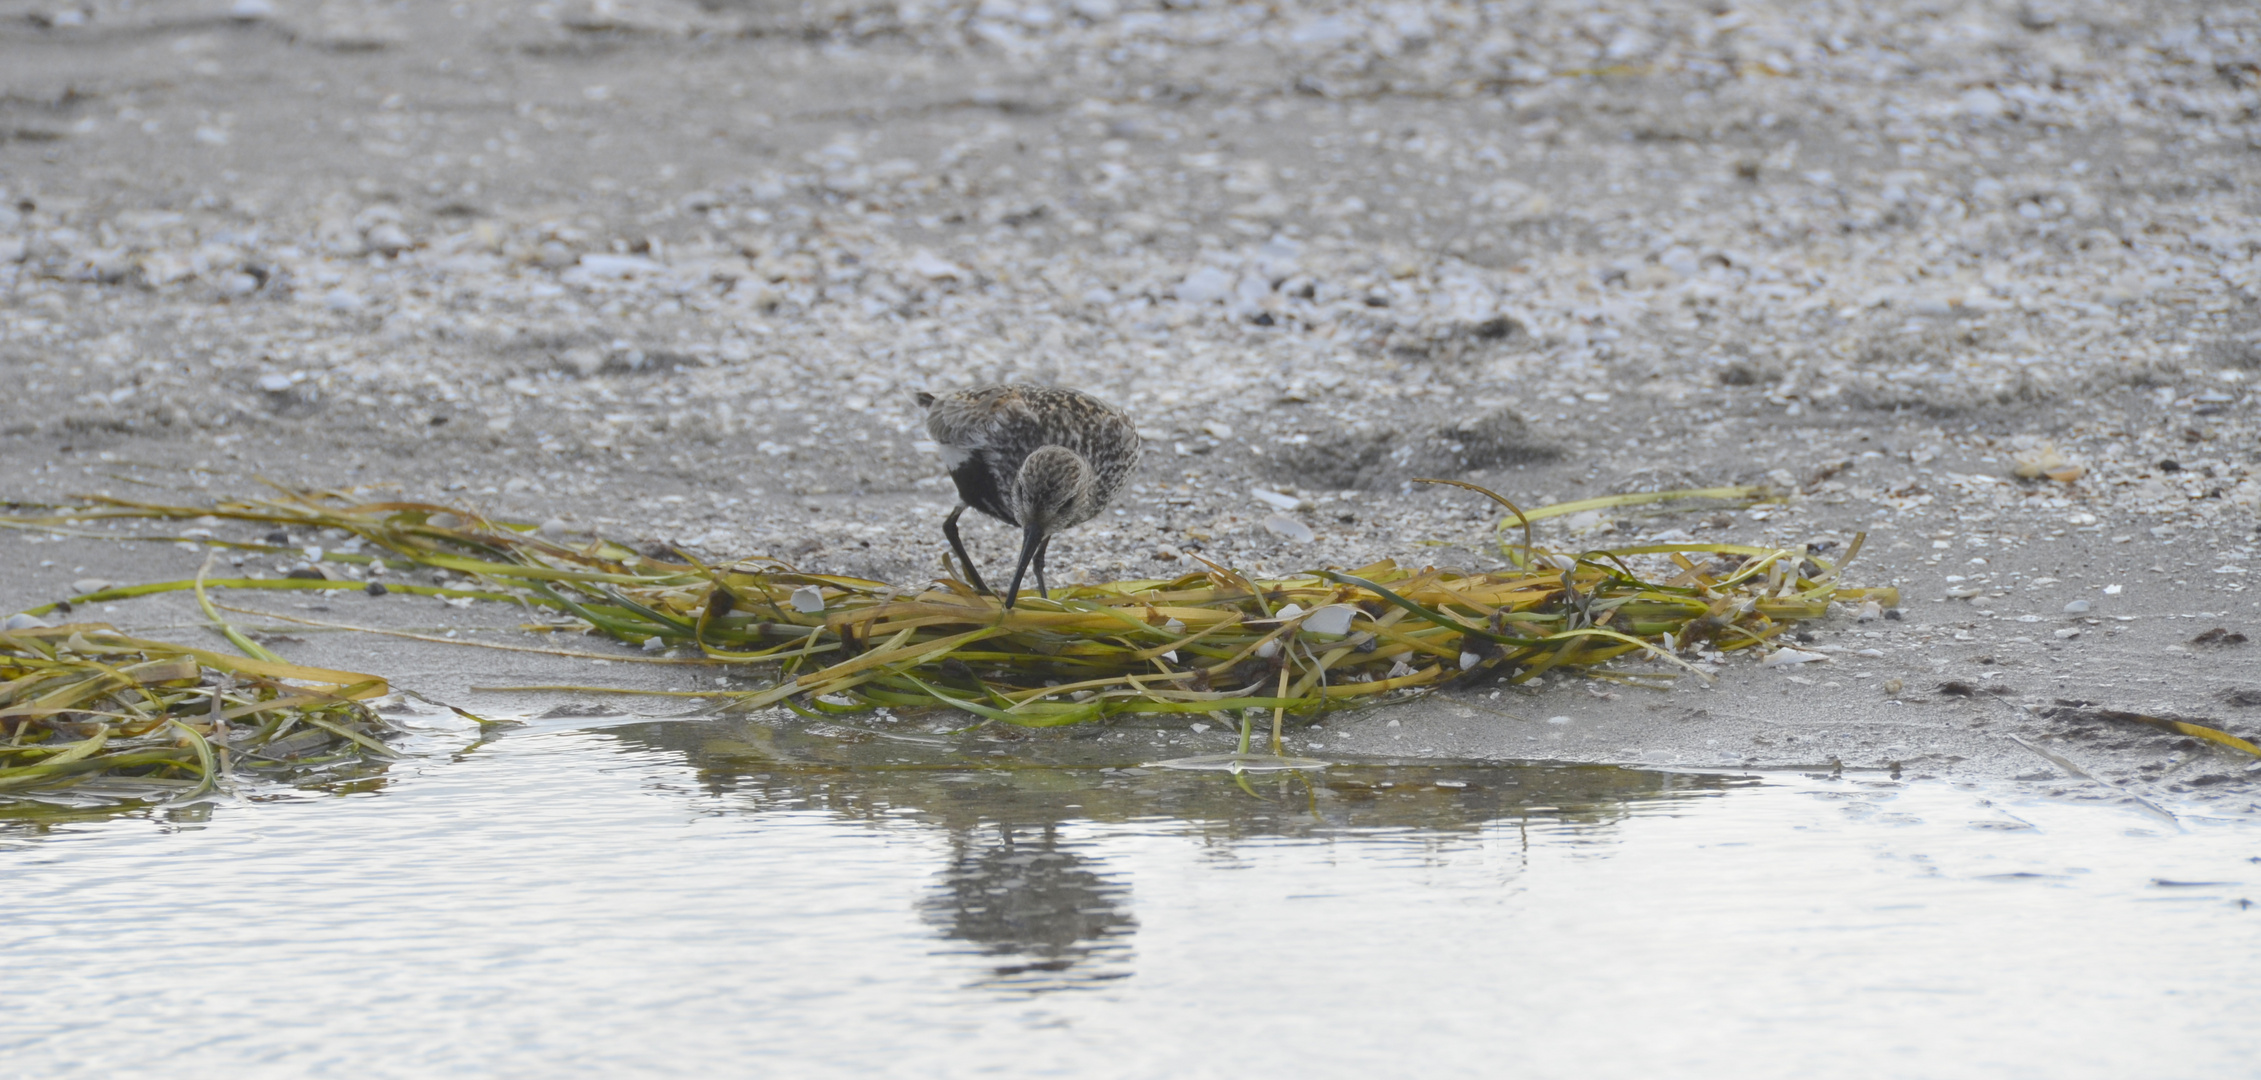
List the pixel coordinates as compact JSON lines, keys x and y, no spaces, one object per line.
{"x":1032,"y":538}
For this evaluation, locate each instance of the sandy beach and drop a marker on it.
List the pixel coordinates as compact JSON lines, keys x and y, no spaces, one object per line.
{"x":673,"y":271}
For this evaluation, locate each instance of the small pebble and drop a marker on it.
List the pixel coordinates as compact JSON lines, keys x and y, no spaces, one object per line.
{"x":2077,"y":607}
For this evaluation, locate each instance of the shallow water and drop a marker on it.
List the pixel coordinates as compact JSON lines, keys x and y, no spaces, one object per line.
{"x":720,"y":896}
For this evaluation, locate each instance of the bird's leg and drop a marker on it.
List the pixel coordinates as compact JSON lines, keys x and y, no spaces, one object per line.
{"x":950,"y":529}
{"x":1042,"y":589}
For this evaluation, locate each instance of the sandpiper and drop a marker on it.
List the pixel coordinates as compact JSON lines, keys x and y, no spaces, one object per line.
{"x":1039,"y":457}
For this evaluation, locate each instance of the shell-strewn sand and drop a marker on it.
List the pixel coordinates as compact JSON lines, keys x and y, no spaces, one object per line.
{"x":672,"y":271}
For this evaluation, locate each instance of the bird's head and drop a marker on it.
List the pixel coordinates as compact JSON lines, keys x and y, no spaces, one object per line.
{"x":1053,"y":490}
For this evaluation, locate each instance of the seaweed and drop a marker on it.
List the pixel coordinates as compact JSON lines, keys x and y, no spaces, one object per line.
{"x":1212,"y":641}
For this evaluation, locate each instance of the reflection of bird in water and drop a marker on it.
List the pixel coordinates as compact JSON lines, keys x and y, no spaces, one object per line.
{"x":1022,"y":893}
{"x":1039,"y":457}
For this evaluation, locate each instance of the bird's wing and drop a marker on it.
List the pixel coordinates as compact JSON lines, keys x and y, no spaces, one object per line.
{"x":973,"y":419}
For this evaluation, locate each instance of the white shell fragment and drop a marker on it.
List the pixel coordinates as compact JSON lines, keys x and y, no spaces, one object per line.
{"x":932,"y":267}
{"x":24,"y":622}
{"x":618,"y":267}
{"x":808,"y":600}
{"x":1332,"y":619}
{"x":1289,"y":529}
{"x":1782,"y":657}
{"x":1204,"y":286}
{"x":1276,"y":500}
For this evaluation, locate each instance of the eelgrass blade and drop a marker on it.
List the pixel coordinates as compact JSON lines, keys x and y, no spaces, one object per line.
{"x":235,"y":637}
{"x":1435,"y":617}
{"x":1606,"y":502}
{"x":1075,"y":715}
{"x":207,"y":770}
{"x":1529,"y":542}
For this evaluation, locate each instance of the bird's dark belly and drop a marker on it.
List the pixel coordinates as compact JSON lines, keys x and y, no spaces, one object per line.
{"x":978,"y":487}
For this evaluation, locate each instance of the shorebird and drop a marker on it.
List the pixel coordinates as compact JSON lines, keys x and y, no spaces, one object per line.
{"x":1039,"y":457}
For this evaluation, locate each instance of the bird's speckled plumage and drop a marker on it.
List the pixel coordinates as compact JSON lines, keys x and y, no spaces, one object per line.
{"x":988,"y":436}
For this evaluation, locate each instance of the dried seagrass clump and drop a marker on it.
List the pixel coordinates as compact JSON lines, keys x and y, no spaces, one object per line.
{"x":1213,"y":641}
{"x":84,"y":707}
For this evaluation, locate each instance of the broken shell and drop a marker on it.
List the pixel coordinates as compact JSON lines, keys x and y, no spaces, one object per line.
{"x":1331,"y":619}
{"x":1289,"y":529}
{"x":1781,"y":657}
